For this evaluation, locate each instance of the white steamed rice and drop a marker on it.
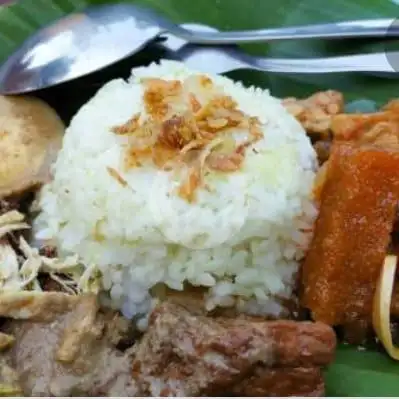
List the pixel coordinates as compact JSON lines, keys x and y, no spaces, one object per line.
{"x":242,"y":239}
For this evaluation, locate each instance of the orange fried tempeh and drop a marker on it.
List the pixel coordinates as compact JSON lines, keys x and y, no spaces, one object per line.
{"x":352,"y":233}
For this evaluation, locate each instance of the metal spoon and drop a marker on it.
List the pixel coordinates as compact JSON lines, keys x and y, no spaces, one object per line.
{"x":85,"y":42}
{"x":223,"y":59}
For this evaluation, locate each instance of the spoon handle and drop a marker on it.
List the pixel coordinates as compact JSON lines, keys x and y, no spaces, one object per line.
{"x":336,"y":30}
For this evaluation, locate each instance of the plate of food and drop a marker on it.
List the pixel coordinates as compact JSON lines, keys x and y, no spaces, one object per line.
{"x":170,"y":232}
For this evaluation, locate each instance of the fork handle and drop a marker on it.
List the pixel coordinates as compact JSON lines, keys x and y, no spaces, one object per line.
{"x":336,"y":30}
{"x":375,"y":62}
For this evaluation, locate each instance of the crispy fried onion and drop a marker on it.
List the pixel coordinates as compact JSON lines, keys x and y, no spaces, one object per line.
{"x":382,"y":306}
{"x":21,"y":264}
{"x":188,"y":125}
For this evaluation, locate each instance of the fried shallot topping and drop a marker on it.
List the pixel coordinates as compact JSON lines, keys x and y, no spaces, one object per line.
{"x":188,"y":126}
{"x":114,"y":174}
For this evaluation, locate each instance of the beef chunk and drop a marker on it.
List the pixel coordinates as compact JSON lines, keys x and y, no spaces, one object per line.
{"x":301,"y":343}
{"x":294,"y":381}
{"x":9,"y":379}
{"x":189,"y":354}
{"x":66,"y":352}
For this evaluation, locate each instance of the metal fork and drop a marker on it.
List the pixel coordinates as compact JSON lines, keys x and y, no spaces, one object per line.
{"x":222,"y":59}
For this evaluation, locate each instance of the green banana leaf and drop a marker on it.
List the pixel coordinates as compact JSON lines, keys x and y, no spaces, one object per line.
{"x":355,"y":372}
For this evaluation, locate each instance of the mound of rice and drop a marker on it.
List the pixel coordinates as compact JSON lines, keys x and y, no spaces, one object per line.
{"x":243,"y":235}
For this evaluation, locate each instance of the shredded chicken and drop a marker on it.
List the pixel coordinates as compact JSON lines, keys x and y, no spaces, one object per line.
{"x":12,"y":221}
{"x":22,"y":264}
{"x":35,"y":306}
{"x":179,"y":127}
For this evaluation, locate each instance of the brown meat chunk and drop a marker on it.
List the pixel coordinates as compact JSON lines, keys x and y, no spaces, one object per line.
{"x":301,"y":344}
{"x":185,"y":353}
{"x":69,"y":355}
{"x":6,"y":340}
{"x":9,"y":379}
{"x":352,"y":232}
{"x":297,"y":381}
{"x":315,"y":112}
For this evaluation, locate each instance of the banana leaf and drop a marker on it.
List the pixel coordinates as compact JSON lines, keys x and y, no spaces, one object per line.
{"x":355,"y":372}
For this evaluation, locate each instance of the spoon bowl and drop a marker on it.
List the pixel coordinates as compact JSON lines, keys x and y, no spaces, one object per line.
{"x":75,"y":46}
